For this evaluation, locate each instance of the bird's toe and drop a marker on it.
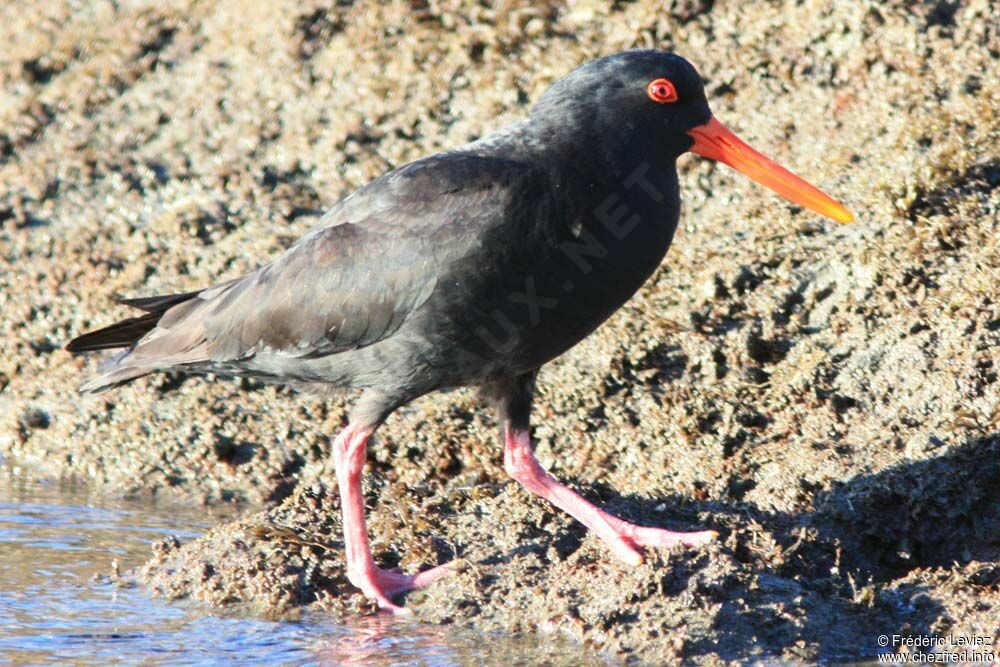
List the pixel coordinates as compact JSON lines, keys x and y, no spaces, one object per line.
{"x":382,"y":585}
{"x":664,"y":539}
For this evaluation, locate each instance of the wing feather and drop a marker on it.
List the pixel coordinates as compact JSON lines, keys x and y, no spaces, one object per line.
{"x":373,"y":260}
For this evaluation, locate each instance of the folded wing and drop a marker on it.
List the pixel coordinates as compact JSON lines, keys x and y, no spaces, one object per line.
{"x":373,"y":260}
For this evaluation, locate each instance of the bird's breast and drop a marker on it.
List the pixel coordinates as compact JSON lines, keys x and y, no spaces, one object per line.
{"x":557,"y":292}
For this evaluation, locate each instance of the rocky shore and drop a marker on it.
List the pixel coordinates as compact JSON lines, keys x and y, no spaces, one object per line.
{"x":824,"y":396}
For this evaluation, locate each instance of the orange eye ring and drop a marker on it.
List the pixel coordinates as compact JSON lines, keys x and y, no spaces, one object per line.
{"x":661,"y":91}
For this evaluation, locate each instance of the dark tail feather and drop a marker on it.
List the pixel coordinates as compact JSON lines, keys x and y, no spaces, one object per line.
{"x":128,"y":332}
{"x":120,"y":334}
{"x":159,"y":304}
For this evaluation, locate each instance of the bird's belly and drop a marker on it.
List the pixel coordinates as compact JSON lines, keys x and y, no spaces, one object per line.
{"x":564,"y":314}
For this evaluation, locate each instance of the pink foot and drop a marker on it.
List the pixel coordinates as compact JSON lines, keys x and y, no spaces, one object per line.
{"x":382,"y":585}
{"x":377,"y":584}
{"x":626,"y":540}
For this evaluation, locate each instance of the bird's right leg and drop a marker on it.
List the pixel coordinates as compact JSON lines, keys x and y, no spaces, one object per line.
{"x":349,"y":452}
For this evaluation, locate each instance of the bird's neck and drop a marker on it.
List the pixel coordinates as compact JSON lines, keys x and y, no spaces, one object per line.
{"x":580,"y":137}
{"x":603,"y":181}
{"x":614,"y":214}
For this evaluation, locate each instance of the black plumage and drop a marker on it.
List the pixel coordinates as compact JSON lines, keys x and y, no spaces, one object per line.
{"x":469,"y":268}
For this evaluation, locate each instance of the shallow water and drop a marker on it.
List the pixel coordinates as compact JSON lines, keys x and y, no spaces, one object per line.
{"x":58,"y":605}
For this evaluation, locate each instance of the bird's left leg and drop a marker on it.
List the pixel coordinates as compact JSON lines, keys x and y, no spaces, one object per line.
{"x":349,"y":453}
{"x":625,"y":539}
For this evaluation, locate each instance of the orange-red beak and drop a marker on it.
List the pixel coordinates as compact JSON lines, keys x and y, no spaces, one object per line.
{"x":714,"y":140}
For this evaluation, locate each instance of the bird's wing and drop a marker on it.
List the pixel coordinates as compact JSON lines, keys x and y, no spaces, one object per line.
{"x":354,"y":279}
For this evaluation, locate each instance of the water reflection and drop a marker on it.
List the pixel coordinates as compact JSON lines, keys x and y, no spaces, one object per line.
{"x":58,"y":543}
{"x":383,"y":640}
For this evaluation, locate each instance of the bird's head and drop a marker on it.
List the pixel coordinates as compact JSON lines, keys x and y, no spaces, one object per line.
{"x":651,"y":105}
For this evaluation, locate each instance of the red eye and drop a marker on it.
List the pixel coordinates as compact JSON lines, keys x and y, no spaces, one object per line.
{"x":661,"y":91}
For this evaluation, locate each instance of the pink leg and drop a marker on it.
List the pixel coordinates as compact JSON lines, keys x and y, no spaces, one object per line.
{"x":377,"y":584}
{"x":625,"y":539}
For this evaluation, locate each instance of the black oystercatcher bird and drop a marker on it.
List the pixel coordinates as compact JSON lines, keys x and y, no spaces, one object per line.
{"x":468,"y":268}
